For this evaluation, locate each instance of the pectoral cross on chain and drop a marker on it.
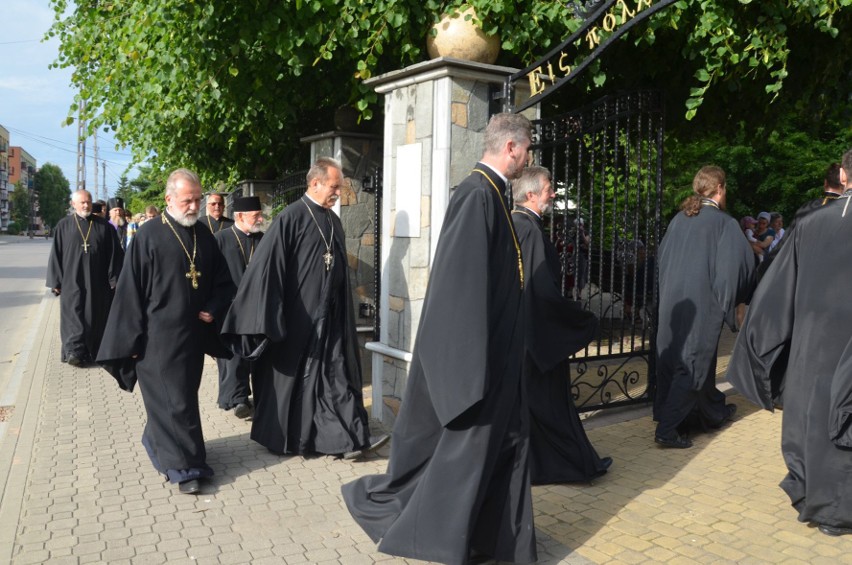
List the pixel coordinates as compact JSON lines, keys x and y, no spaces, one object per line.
{"x":193,"y":274}
{"x":327,"y":258}
{"x":85,"y":247}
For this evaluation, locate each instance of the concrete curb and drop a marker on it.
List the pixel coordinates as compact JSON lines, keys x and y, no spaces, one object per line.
{"x":17,"y":437}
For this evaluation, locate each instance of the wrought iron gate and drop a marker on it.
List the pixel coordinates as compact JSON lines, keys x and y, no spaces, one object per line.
{"x":606,"y":161}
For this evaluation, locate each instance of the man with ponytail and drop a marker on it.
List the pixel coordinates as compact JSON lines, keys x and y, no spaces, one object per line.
{"x":706,"y":269}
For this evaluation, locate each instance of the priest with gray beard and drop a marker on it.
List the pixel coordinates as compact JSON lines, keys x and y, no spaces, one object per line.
{"x":238,"y":244}
{"x":173,"y":291}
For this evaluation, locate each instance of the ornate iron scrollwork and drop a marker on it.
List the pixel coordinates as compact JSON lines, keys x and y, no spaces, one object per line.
{"x":613,"y":386}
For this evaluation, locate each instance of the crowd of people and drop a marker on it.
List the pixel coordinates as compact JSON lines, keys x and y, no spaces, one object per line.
{"x":766,"y":232}
{"x":763,"y":233}
{"x":486,"y":411}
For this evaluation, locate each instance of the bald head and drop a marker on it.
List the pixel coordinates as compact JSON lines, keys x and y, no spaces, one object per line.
{"x":81,"y":201}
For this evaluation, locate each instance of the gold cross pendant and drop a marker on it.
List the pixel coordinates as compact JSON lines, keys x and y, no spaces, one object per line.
{"x":193,"y":274}
{"x":327,"y":259}
{"x":85,"y":247}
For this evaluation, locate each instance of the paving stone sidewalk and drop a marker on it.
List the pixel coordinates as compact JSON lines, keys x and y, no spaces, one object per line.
{"x":80,"y":489}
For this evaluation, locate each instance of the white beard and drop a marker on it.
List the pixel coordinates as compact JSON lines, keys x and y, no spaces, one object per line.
{"x":84,"y":215}
{"x":119,"y":222}
{"x":186,"y":220}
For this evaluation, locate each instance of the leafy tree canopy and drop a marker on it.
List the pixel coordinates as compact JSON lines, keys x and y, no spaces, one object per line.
{"x":229,"y":87}
{"x":53,"y":193}
{"x":775,"y":168}
{"x":124,"y":190}
{"x":21,"y":208}
{"x":149,"y":187}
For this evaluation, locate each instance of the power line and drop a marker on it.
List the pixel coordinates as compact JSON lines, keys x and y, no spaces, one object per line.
{"x":42,"y":138}
{"x":35,"y":138}
{"x":20,"y":41}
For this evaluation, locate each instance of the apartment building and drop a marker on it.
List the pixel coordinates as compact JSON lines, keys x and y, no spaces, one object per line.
{"x":22,"y":168}
{"x":4,"y":179}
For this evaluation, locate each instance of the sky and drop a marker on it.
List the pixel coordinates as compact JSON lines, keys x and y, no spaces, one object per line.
{"x":34,"y":100}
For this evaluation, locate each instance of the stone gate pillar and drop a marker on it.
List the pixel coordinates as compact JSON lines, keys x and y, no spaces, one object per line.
{"x":435,"y":116}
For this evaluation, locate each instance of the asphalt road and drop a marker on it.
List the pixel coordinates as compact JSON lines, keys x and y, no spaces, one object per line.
{"x":23,"y":266}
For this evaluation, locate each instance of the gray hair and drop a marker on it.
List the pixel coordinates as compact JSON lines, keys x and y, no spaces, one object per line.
{"x":171,"y":183}
{"x":506,"y":127}
{"x":531,"y":180}
{"x":319,"y":170}
{"x":78,"y":193}
{"x":846,"y":165}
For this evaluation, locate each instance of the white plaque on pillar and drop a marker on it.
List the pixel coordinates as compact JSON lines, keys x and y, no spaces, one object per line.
{"x":408,"y":190}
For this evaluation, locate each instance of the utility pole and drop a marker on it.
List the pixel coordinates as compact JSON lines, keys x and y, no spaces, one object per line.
{"x":81,"y":147}
{"x":95,"y":185}
{"x":103,"y":164}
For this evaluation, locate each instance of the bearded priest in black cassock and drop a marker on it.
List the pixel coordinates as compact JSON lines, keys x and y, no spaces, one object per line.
{"x":173,"y":289}
{"x":293,"y":316}
{"x":556,"y":328}
{"x":457,"y":484}
{"x":85,"y":261}
{"x":237,"y":244}
{"x":797,"y":338}
{"x":706,"y":269}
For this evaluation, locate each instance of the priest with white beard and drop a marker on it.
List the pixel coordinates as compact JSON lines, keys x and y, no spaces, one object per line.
{"x":174,"y":289}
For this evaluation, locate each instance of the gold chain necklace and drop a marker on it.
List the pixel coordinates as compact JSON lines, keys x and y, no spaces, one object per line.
{"x":192,"y":274}
{"x":221,"y":224}
{"x":242,"y":251}
{"x":88,"y":232}
{"x":511,"y":226}
{"x":526,"y":212}
{"x":327,"y":257}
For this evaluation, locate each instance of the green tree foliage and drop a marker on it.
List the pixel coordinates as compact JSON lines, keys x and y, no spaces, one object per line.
{"x":124,"y":191}
{"x":227,"y":87}
{"x":19,"y":202}
{"x":53,"y":193}
{"x":775,"y":168}
{"x":149,"y":187}
{"x":21,"y":208}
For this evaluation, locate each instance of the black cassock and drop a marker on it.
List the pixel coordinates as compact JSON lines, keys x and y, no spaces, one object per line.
{"x":458,"y":476}
{"x":86,"y":278}
{"x":294,"y":318}
{"x":797,"y":336}
{"x":556,"y":328}
{"x":155,"y":316}
{"x":706,"y":268}
{"x":238,"y":249}
{"x":215,"y":226}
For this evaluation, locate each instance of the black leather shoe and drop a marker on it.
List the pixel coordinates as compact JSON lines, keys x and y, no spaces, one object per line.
{"x":192,"y":486}
{"x":75,"y":361}
{"x":678,"y":442}
{"x":242,"y":411}
{"x":834,"y":530}
{"x":606,"y":463}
